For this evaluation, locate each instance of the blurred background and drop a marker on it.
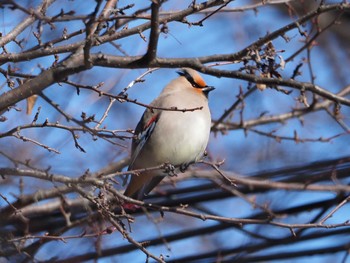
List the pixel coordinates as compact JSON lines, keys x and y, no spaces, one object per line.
{"x":248,"y":140}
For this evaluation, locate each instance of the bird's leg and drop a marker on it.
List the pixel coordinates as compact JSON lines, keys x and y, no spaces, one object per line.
{"x":170,"y":169}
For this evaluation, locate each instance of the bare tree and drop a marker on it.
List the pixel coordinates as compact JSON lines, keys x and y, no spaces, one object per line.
{"x":75,"y":80}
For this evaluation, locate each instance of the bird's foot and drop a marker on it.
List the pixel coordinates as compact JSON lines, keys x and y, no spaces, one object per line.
{"x":170,"y":169}
{"x":183,"y":167}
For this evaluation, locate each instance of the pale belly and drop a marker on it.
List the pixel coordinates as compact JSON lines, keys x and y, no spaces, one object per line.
{"x":177,"y":142}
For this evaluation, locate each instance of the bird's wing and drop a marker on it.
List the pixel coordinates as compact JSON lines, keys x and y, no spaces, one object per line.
{"x":143,"y":132}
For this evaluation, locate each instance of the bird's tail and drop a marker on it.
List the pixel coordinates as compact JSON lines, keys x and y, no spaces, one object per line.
{"x":140,"y":185}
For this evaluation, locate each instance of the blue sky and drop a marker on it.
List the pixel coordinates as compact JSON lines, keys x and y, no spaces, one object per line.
{"x":246,"y":154}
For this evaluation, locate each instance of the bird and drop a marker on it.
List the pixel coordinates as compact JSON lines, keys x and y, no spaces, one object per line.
{"x":173,"y":130}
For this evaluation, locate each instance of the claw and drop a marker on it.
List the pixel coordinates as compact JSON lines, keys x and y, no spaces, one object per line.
{"x":183,"y":167}
{"x":170,"y":169}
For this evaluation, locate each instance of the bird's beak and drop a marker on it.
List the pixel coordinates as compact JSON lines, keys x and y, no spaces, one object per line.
{"x":207,"y":89}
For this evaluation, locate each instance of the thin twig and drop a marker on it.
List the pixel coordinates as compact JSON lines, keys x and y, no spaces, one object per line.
{"x":341,"y":204}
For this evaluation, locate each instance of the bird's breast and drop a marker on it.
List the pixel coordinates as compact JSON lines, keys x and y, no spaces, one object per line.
{"x":180,"y":137}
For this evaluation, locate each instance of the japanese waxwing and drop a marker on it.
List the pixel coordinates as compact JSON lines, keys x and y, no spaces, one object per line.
{"x":177,"y":137}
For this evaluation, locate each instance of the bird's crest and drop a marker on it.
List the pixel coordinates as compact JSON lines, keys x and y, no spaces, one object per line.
{"x":193,"y":77}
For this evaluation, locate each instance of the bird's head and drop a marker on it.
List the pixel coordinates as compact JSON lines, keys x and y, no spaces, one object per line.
{"x":195,"y":80}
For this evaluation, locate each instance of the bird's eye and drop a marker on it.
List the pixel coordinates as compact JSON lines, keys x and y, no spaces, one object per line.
{"x":195,"y":85}
{"x":191,"y":79}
